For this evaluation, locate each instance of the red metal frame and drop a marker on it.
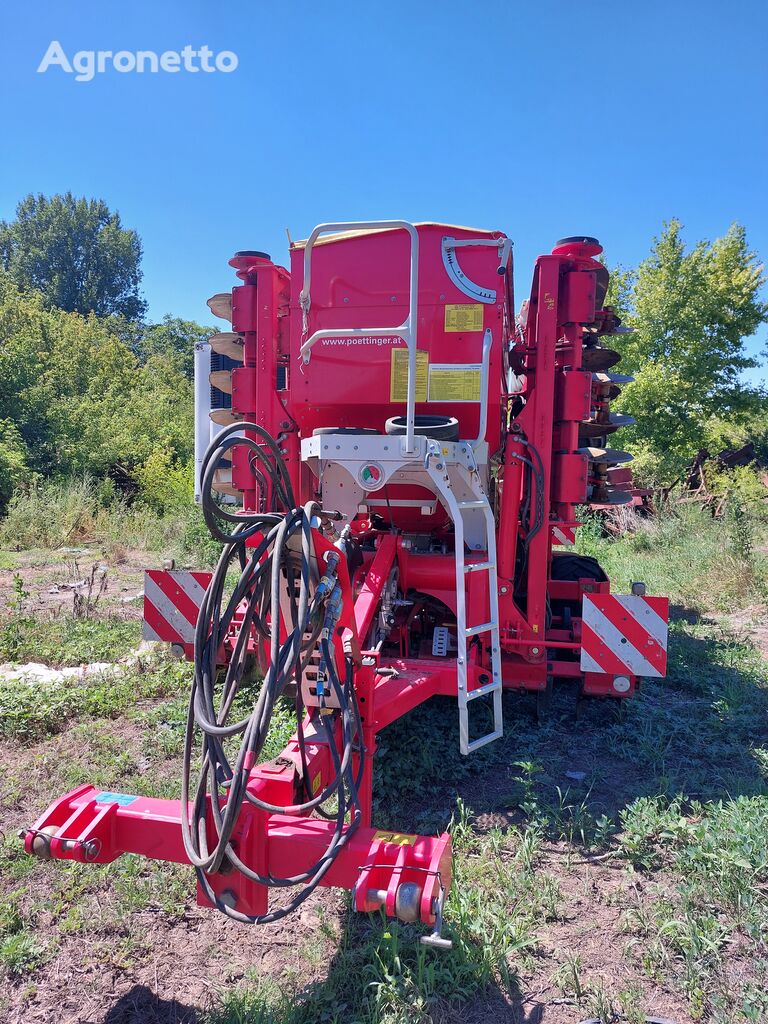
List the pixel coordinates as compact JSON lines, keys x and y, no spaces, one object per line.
{"x":540,"y":425}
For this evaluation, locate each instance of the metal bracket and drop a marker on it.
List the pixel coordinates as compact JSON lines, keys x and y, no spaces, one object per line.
{"x":435,"y":938}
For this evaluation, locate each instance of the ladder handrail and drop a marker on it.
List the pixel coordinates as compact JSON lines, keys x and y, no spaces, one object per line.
{"x":406,"y":330}
{"x":464,"y":695}
{"x":484,"y":373}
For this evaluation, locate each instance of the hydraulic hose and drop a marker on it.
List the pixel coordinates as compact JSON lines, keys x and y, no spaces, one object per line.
{"x":274,"y":552}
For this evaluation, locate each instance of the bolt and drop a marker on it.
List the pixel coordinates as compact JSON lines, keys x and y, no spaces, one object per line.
{"x":534,"y":650}
{"x":503,"y":590}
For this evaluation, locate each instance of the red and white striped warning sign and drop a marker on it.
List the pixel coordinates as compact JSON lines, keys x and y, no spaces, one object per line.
{"x":171,"y":603}
{"x":623,"y":634}
{"x":564,"y":536}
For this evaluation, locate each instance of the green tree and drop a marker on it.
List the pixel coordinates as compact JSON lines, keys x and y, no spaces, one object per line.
{"x":76,"y":253}
{"x":691,"y":310}
{"x":176,"y":339}
{"x":14,"y":467}
{"x":79,"y":399}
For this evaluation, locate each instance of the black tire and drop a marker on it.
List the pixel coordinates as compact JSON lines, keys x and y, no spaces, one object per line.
{"x":440,"y":428}
{"x":571,"y":568}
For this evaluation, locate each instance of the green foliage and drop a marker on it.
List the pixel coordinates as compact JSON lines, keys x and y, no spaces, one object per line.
{"x":53,"y":513}
{"x":20,"y":953}
{"x":742,"y":487}
{"x":79,"y":398}
{"x":76,"y":254}
{"x":691,"y":311}
{"x":66,"y":513}
{"x":66,"y":641}
{"x":175,"y":338}
{"x":30,"y":708}
{"x":14,"y":468}
{"x":686,"y":555}
{"x":165,"y":485}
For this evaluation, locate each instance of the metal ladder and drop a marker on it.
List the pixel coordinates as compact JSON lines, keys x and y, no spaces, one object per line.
{"x":471,"y":497}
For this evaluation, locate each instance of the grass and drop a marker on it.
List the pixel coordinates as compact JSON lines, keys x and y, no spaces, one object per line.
{"x":78,"y":511}
{"x":31,"y":710}
{"x":657,"y":843}
{"x":67,"y":641}
{"x":695,"y":560}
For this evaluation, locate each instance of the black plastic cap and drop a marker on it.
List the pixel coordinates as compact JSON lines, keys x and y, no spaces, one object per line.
{"x":577,"y":240}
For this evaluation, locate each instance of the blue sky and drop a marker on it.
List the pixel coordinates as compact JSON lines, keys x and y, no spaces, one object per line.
{"x":542,"y":118}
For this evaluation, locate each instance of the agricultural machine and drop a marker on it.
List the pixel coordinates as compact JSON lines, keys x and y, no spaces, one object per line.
{"x":392,"y":461}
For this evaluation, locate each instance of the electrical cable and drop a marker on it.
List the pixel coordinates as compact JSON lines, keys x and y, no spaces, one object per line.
{"x":277,"y":561}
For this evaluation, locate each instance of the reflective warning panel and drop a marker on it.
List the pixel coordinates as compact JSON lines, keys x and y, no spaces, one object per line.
{"x":563,"y":536}
{"x":171,"y":604}
{"x":622,"y":634}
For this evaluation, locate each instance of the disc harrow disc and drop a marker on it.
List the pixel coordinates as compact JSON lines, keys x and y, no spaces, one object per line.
{"x":596,"y":358}
{"x":221,"y":305}
{"x":599,"y":428}
{"x":225,"y":417}
{"x":227,"y":343}
{"x":611,"y":456}
{"x":221,"y":379}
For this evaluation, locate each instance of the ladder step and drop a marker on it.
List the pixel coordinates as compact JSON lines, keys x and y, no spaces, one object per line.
{"x":482,"y":690}
{"x":473,"y":504}
{"x":475,"y":744}
{"x":486,"y":627}
{"x":479,"y":566}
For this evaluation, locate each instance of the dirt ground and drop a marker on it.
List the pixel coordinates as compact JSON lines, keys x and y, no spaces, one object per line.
{"x":53,"y":578}
{"x":123,"y":958}
{"x":144,"y":966}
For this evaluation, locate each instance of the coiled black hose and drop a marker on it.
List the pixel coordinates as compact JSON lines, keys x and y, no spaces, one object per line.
{"x":278,"y":561}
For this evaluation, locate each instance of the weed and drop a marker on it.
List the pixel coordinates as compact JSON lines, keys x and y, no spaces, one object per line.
{"x":85,"y":600}
{"x":31,"y":709}
{"x":65,"y":641}
{"x":20,"y":953}
{"x":10,"y":632}
{"x":601,"y":1005}
{"x":568,"y":977}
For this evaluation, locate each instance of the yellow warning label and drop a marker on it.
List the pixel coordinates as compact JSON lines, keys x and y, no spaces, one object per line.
{"x":398,"y":375}
{"x":316,"y":784}
{"x":451,"y":383}
{"x":466,"y":316}
{"x":394,"y":837}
